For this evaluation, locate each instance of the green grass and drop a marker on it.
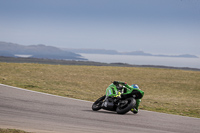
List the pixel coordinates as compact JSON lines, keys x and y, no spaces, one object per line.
{"x":166,"y":90}
{"x":11,"y":131}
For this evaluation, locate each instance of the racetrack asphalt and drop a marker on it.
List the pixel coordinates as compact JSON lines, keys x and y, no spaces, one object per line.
{"x":45,"y":113}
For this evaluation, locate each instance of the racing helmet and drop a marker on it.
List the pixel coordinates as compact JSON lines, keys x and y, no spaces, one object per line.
{"x":135,"y":86}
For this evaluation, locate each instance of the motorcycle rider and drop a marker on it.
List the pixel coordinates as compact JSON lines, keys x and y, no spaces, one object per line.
{"x":136,"y":90}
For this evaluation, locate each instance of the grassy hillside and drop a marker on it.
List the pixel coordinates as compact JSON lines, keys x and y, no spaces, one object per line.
{"x":166,"y":90}
{"x":36,"y":51}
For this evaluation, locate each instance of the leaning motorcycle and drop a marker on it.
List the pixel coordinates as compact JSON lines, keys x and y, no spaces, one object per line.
{"x":119,"y":97}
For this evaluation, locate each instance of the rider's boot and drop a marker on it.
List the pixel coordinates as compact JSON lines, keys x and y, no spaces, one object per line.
{"x":135,"y":109}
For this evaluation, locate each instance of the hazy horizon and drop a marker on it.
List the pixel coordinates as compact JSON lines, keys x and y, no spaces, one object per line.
{"x":156,"y":26}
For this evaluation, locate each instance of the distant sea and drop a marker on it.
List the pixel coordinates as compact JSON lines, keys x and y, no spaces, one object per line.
{"x":144,"y":60}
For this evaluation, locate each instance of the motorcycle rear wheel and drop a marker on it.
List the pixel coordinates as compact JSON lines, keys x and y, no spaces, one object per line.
{"x":123,"y":109}
{"x":97,"y":104}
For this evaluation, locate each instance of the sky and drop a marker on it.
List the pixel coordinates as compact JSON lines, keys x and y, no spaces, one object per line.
{"x":153,"y":26}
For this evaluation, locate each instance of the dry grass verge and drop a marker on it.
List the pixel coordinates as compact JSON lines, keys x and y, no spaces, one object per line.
{"x":11,"y":131}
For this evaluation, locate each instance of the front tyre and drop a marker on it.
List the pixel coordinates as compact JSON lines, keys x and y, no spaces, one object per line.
{"x":126,"y":105}
{"x":97,"y":104}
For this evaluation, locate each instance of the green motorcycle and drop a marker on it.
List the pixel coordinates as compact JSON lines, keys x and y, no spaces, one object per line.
{"x":120,"y":97}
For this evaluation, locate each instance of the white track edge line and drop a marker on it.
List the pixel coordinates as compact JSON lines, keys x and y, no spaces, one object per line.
{"x":44,"y":93}
{"x":80,"y":99}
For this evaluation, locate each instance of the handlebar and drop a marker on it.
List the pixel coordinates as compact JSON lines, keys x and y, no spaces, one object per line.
{"x":120,"y":85}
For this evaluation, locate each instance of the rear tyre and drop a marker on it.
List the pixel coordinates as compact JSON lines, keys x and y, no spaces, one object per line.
{"x":97,"y":104}
{"x":123,"y":108}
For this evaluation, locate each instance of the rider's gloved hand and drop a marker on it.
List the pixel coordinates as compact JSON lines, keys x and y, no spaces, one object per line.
{"x":118,"y":95}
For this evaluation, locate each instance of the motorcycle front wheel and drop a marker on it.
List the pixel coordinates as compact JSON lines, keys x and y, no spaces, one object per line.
{"x":126,"y":106}
{"x":97,"y":104}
